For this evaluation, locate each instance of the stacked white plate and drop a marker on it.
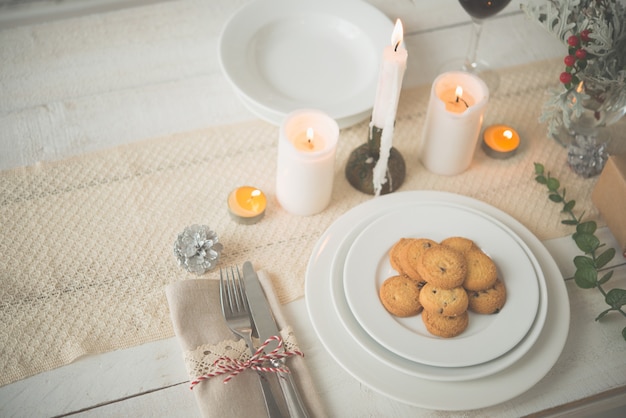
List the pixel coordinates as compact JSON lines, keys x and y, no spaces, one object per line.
{"x":283,"y":55}
{"x":495,"y":359}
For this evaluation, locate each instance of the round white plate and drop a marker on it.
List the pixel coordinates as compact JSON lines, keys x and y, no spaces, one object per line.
{"x":418,"y":369}
{"x":407,"y":388}
{"x":487,"y":336}
{"x":283,"y":55}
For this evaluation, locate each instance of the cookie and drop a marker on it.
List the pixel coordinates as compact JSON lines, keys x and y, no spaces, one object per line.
{"x":489,"y":301}
{"x":481,"y":271}
{"x":461,"y":244}
{"x":396,"y":253}
{"x":411,"y":255}
{"x":445,"y":326}
{"x":443,"y":267}
{"x":447,"y":302}
{"x":400,"y":296}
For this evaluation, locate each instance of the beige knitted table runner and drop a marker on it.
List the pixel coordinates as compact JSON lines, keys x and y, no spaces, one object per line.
{"x":86,"y":243}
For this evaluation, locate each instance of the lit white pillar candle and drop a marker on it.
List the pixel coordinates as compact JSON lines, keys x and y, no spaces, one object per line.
{"x":307,"y":144}
{"x":386,"y":104}
{"x":453,"y":122}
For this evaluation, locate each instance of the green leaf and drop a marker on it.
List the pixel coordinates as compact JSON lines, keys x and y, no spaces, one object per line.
{"x":606,"y":277}
{"x":616,"y":298}
{"x":604,"y":258}
{"x":580,"y":261}
{"x":555,"y":197}
{"x":588,"y":227}
{"x":624,"y":333}
{"x":538,"y":168}
{"x":569,"y":206}
{"x":587,"y":242}
{"x":586,"y":278}
{"x":553,"y":184}
{"x":541,"y":179}
{"x":603,"y":314}
{"x":569,"y":222}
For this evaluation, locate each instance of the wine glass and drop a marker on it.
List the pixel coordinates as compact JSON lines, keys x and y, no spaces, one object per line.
{"x":479,"y":10}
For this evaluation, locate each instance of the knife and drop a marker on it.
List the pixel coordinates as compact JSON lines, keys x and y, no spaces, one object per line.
{"x":266,"y":327}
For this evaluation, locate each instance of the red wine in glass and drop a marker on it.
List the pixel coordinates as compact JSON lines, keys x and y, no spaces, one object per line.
{"x":481,"y":9}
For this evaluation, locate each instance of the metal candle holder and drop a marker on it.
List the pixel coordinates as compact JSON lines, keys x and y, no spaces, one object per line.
{"x":360,"y":166}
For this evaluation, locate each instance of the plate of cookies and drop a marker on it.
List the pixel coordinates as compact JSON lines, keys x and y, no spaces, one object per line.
{"x":441,"y":284}
{"x":413,"y":368}
{"x":414,"y":383}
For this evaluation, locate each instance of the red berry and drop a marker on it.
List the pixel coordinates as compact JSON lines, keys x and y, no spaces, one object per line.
{"x":572,"y":40}
{"x":581,"y":54}
{"x":565,"y":78}
{"x":570,"y":60}
{"x":584,"y":35}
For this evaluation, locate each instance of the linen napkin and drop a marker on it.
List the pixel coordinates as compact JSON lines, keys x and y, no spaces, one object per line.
{"x":201,"y":330}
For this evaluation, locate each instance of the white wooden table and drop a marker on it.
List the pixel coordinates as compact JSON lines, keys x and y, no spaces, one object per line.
{"x":75,"y":79}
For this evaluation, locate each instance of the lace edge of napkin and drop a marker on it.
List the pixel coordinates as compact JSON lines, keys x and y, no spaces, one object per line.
{"x":201,"y":360}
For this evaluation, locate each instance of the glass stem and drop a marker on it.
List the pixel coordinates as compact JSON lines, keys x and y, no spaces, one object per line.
{"x":472,"y":52}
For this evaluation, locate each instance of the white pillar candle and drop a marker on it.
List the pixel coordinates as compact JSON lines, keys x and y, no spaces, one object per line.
{"x":390,"y":78}
{"x":453,"y":122}
{"x":386,"y":104}
{"x":307,"y":143}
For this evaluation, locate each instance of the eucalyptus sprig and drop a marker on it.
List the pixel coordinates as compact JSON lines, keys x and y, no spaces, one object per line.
{"x":588,"y":266}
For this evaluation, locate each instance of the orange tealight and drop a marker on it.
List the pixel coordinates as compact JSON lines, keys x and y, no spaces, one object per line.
{"x":500,"y":141}
{"x":246,"y":205}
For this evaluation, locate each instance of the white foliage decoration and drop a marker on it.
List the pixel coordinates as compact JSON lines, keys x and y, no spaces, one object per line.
{"x":603,"y":72}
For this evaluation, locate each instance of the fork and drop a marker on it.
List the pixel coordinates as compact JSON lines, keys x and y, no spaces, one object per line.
{"x":237,"y":315}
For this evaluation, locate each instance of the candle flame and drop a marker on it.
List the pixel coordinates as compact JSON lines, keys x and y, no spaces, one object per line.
{"x":309,"y":138}
{"x":580,"y":87}
{"x":252,"y":202}
{"x":458,"y":92}
{"x":397,"y":34}
{"x":507,"y":134}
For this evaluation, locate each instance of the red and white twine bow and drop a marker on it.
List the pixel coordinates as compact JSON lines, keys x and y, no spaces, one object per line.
{"x":232,"y":367}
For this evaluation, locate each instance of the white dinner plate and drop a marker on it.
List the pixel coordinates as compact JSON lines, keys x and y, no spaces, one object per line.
{"x":408,"y":388}
{"x":350,"y":323}
{"x":487,"y":336}
{"x":283,"y":55}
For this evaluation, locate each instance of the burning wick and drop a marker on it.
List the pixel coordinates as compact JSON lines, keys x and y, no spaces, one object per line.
{"x":254,"y":194}
{"x":459,"y":94}
{"x":397,"y":35}
{"x":309,"y":137}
